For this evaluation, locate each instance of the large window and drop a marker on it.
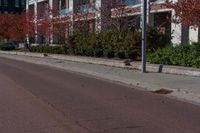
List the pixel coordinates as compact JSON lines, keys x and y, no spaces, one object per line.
{"x":16,"y":3}
{"x":5,"y":3}
{"x":23,"y":3}
{"x":12,"y":6}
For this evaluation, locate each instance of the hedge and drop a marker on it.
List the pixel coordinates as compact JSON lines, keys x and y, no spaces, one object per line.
{"x":6,"y":46}
{"x":108,"y":43}
{"x":182,"y":55}
{"x":48,"y":49}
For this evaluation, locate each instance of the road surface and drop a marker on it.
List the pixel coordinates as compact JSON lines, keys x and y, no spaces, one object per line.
{"x":40,"y":99}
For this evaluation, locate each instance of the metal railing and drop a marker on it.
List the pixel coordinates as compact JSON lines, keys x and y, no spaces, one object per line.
{"x":136,"y":2}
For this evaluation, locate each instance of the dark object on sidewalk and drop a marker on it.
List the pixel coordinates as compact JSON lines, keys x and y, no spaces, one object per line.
{"x":127,"y":62}
{"x":163,"y":91}
{"x":160,"y":68}
{"x":45,"y":55}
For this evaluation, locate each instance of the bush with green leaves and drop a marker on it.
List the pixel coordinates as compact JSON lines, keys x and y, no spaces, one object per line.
{"x":107,"y":43}
{"x":111,"y":43}
{"x":157,"y":39}
{"x":181,"y":55}
{"x":7,"y":46}
{"x":48,"y":49}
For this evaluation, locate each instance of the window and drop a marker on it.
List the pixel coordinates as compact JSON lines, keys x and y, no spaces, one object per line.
{"x":5,"y":3}
{"x":23,"y":3}
{"x":63,"y":4}
{"x":16,"y":3}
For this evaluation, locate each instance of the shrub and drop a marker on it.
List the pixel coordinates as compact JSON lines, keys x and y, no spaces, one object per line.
{"x":160,"y":56}
{"x":98,"y":52}
{"x":108,"y":43}
{"x":157,"y":39}
{"x":109,"y":53}
{"x":7,"y":47}
{"x":183,"y":55}
{"x":56,"y":50}
{"x":48,"y":49}
{"x":132,"y":54}
{"x":89,"y":51}
{"x":121,"y":54}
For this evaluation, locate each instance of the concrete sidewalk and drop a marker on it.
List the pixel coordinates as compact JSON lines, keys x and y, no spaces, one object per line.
{"x":115,"y":63}
{"x":184,"y":87}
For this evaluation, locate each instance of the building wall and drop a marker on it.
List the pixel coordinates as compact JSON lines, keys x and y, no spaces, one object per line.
{"x":157,"y":16}
{"x":194,"y":34}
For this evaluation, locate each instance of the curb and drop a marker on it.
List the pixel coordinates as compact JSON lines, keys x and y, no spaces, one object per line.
{"x":82,"y":59}
{"x":114,"y":63}
{"x":178,"y":70}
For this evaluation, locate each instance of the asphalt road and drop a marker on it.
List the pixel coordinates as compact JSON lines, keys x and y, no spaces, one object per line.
{"x":40,"y":99}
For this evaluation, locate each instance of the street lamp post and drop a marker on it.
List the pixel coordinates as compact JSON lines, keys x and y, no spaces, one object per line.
{"x":144,"y":34}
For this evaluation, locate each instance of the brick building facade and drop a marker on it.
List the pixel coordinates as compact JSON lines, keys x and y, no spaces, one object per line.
{"x":158,"y":15}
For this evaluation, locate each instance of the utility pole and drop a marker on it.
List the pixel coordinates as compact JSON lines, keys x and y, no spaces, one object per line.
{"x":27,"y":21}
{"x":144,"y":34}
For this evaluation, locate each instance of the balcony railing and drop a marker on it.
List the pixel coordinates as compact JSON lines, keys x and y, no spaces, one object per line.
{"x":135,"y":2}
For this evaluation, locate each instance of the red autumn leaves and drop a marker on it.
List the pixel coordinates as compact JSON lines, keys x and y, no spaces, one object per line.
{"x":10,"y":27}
{"x":187,"y":11}
{"x":15,"y":27}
